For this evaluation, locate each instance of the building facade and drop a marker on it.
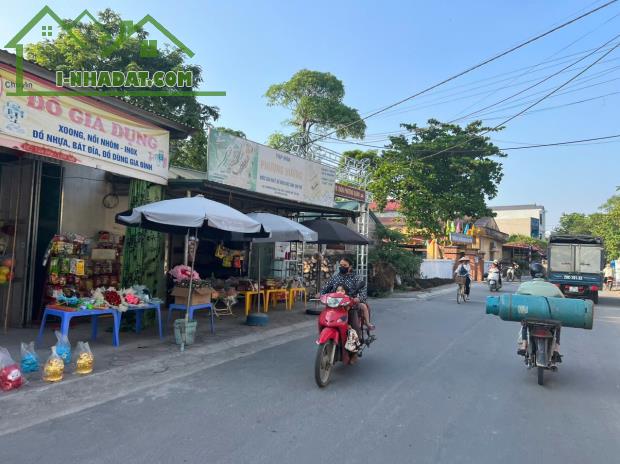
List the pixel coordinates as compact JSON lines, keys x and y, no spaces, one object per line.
{"x":528,"y":220}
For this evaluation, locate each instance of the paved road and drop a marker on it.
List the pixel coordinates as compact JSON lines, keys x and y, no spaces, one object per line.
{"x":441,"y":385}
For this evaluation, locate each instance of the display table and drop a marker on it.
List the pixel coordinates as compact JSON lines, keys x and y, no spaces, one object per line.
{"x":248,"y":294}
{"x":276,"y":292}
{"x":293,"y":294}
{"x":66,"y":314}
{"x":192,"y":310}
{"x":139,"y":310}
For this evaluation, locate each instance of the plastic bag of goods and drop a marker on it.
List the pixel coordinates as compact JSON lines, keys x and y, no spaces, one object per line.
{"x":84,"y":359}
{"x":54,"y":367}
{"x":10,"y":375}
{"x":30,"y":360}
{"x":63,"y":347}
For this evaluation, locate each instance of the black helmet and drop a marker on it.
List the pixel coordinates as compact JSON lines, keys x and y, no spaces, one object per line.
{"x":537,"y":270}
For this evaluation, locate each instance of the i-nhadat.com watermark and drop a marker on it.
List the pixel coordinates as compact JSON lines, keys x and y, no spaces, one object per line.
{"x":136,"y":79}
{"x":119,"y":83}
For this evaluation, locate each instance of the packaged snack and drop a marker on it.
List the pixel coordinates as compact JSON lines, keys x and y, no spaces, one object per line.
{"x":10,"y":375}
{"x":63,"y":347}
{"x":84,"y":359}
{"x":54,"y":367}
{"x":30,"y":360}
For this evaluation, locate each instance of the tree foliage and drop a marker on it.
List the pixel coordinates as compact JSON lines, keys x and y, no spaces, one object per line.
{"x":389,"y":250}
{"x":66,"y":53}
{"x":315,"y":100}
{"x":605,"y":224}
{"x":434,"y":188}
{"x":236,"y":133}
{"x":574,"y":224}
{"x":524,"y":239}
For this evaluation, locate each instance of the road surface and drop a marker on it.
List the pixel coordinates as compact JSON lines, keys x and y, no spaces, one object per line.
{"x":442,"y":384}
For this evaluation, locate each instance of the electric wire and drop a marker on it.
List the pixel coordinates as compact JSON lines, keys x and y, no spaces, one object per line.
{"x":474,"y":67}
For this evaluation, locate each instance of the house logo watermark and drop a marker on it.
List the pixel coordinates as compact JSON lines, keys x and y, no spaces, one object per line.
{"x":106,"y":83}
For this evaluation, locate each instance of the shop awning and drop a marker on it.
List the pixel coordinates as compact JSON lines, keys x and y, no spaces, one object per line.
{"x":181,"y":180}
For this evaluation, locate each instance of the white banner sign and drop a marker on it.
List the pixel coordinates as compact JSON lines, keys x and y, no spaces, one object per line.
{"x":80,"y":130}
{"x":248,"y":165}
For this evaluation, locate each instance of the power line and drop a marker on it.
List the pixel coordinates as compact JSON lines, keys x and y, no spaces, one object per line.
{"x":546,"y":60}
{"x":538,"y":145}
{"x":472,"y":68}
{"x":555,"y":144}
{"x":530,"y":106}
{"x":533,"y":85}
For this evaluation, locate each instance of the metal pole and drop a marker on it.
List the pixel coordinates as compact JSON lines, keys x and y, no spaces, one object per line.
{"x":189,"y":194}
{"x":8,"y":297}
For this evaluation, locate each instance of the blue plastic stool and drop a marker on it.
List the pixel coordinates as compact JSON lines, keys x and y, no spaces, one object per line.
{"x":192,"y":309}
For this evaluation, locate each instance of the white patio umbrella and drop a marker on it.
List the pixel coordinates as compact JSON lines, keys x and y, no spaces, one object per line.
{"x":280,"y":229}
{"x":181,"y":215}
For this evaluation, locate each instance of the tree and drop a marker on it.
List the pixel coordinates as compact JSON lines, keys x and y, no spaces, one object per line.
{"x":432,"y":189}
{"x":389,"y":250}
{"x":574,"y":224}
{"x":604,"y":224}
{"x":525,"y":240}
{"x":236,"y":133}
{"x":66,"y":53}
{"x":315,"y":100}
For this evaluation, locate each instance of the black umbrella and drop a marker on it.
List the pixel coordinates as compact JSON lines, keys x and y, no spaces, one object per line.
{"x":332,"y":232}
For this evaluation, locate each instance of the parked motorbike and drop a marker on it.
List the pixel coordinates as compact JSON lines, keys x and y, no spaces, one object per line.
{"x":493,"y":280}
{"x":334,"y":326}
{"x":540,"y":343}
{"x":510,"y":274}
{"x":609,"y":283}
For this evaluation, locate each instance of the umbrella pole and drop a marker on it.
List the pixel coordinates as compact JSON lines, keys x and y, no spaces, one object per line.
{"x":190,"y":289}
{"x":258,"y":296}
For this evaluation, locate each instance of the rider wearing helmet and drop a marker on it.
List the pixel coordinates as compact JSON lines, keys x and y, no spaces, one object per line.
{"x":538,"y":286}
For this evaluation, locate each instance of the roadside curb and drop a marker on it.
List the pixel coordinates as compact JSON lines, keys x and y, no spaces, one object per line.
{"x":25,"y":408}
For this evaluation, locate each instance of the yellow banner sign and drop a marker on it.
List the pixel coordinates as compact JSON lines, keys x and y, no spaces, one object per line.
{"x":82,"y":131}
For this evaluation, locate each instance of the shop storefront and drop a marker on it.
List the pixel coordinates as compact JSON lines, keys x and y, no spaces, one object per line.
{"x":251,"y":177}
{"x":67,"y":165}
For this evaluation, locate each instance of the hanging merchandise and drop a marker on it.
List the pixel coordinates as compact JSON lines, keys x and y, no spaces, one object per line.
{"x":227,"y":261}
{"x":452,"y":226}
{"x":30,"y":360}
{"x":237,"y":262}
{"x":220,"y":251}
{"x":85,"y":360}
{"x":10,"y":375}
{"x":63,"y":347}
{"x":466,"y":230}
{"x":458,"y":227}
{"x":54,"y":367}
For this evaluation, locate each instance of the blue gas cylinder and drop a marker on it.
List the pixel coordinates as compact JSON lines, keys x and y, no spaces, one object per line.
{"x":570,"y":312}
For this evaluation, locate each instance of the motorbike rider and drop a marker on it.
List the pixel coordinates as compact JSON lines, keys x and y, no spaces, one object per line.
{"x":463,"y":270}
{"x":538,"y":286}
{"x":495,"y":267}
{"x":348,"y":279}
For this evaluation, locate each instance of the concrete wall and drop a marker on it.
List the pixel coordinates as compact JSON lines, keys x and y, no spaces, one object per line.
{"x":82,"y":208}
{"x":512,"y":226}
{"x":514,"y":218}
{"x":436,"y":268}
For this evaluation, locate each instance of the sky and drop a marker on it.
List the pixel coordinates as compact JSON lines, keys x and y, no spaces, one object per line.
{"x":386,"y":50}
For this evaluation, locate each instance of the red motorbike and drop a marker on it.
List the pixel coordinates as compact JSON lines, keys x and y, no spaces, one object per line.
{"x":334,"y":323}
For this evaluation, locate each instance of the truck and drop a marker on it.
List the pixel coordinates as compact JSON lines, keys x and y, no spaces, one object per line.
{"x":575,"y":265}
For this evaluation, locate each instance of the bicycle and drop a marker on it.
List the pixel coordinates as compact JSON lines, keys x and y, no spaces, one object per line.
{"x":460,"y":292}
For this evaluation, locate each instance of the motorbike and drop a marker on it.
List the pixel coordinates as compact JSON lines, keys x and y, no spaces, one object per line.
{"x":540,"y":344}
{"x":334,"y":326}
{"x":510,"y":274}
{"x":493,"y":280}
{"x":609,"y":283}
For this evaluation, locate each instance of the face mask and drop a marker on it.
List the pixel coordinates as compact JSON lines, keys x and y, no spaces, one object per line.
{"x":344,"y":270}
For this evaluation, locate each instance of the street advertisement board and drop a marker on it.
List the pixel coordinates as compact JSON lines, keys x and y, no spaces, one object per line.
{"x":81,"y":131}
{"x":242,"y":163}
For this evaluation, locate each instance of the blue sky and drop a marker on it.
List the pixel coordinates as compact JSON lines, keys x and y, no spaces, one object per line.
{"x":384,"y":51}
